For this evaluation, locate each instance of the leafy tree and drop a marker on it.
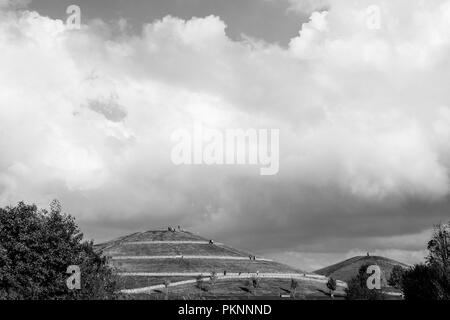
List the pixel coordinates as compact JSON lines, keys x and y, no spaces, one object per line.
{"x":331,"y":285}
{"x":166,"y":285}
{"x":199,"y":282}
{"x":431,"y":281}
{"x":425,"y":282}
{"x":255,"y":283}
{"x":294,"y":286}
{"x":37,"y":246}
{"x":439,"y":247}
{"x":357,"y":287}
{"x":396,"y":276}
{"x":213,"y":277}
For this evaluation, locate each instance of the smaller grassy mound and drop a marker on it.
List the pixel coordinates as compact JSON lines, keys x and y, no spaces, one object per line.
{"x":349,"y":268}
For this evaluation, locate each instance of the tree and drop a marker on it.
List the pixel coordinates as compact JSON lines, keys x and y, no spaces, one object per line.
{"x":213,"y":278}
{"x":254,"y":282}
{"x":294,"y":286}
{"x":331,"y":285}
{"x":431,"y":281}
{"x":396,"y":276}
{"x":37,"y":246}
{"x":166,"y":285}
{"x":357,"y":287}
{"x":199,"y":282}
{"x":439,"y":247}
{"x":424,"y":282}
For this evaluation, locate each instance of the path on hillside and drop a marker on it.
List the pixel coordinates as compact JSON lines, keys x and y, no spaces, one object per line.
{"x":229,"y":276}
{"x":171,"y":242}
{"x":187,"y":257}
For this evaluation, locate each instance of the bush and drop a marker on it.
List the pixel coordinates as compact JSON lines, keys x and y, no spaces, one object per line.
{"x":331,"y":285}
{"x":37,"y":246}
{"x":431,"y":281}
{"x":199,"y":282}
{"x":357,"y":287}
{"x":425,"y":282}
{"x":255,"y":282}
{"x":294,"y":286}
{"x":395,"y":280}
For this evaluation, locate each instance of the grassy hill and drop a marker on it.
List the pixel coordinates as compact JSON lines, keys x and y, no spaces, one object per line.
{"x":146,"y":260}
{"x":347,"y":269}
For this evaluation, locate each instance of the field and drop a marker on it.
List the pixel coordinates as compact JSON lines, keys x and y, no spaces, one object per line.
{"x":243,"y":290}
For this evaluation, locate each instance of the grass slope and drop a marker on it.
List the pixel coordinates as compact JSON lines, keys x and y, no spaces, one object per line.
{"x":243,"y":290}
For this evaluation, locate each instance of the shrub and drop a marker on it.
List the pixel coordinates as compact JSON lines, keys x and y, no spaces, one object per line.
{"x":431,"y":281}
{"x":395,"y":280}
{"x":294,"y":286}
{"x":331,"y":285}
{"x":37,"y":246}
{"x":357,"y":287}
{"x":425,"y":282}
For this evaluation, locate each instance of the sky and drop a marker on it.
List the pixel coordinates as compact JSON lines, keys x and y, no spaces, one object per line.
{"x":86,"y":116}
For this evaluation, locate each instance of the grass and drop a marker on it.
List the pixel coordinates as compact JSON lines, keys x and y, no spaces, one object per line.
{"x":131,"y":282}
{"x":242,"y":289}
{"x":170,"y":249}
{"x":164,"y":235}
{"x":198,"y":265}
{"x":347,"y":269}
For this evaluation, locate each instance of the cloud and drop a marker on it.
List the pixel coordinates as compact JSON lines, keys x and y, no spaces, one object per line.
{"x":308,"y":6}
{"x":86,"y":116}
{"x":309,"y":262}
{"x":14,"y":3}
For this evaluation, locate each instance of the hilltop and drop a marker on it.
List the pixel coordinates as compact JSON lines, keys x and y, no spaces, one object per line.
{"x":146,"y":260}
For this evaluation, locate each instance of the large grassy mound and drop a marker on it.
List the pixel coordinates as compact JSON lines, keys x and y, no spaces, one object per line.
{"x":146,"y":260}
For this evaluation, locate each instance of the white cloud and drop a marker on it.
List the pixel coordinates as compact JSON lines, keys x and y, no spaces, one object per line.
{"x":14,"y":3}
{"x":308,"y":6}
{"x":363,"y":115}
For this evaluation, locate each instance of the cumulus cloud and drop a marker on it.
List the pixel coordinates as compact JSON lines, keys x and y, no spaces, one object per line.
{"x":86,"y":116}
{"x":308,"y":6}
{"x":14,"y":3}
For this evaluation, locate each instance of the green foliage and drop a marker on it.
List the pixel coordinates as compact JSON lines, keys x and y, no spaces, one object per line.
{"x":331,"y":284}
{"x":357,"y":287}
{"x":439,"y":247}
{"x":213,"y":278}
{"x":431,"y":281}
{"x":37,"y":246}
{"x":255,"y":282}
{"x":294,"y":286}
{"x":395,"y":280}
{"x":199,"y":282}
{"x":425,"y":282}
{"x":166,"y":285}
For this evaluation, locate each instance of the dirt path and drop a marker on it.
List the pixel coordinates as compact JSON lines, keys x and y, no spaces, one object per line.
{"x":186,"y":257}
{"x":229,"y":276}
